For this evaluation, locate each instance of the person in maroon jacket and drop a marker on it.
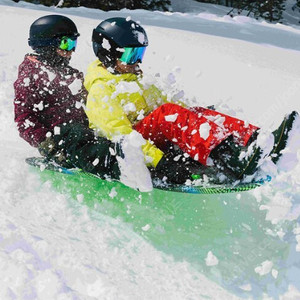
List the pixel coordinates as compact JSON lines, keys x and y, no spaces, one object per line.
{"x":49,"y":102}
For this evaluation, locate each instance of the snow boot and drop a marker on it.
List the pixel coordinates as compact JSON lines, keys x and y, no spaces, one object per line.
{"x":281,"y":136}
{"x":244,"y":161}
{"x":236,"y":160}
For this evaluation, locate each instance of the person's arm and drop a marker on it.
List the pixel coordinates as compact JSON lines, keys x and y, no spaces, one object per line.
{"x":108,"y":117}
{"x":26,"y":106}
{"x":30,"y":129}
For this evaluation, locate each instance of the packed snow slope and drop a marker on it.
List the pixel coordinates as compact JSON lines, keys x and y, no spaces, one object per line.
{"x":60,"y":239}
{"x":290,"y":15}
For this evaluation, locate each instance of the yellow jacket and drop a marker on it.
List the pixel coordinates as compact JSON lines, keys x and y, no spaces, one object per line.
{"x":116,"y":102}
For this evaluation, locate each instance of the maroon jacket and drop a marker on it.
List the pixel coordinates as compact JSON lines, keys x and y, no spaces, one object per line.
{"x":46,"y":97}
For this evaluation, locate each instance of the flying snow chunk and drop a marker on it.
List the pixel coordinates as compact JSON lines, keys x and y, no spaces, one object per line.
{"x":134,"y":172}
{"x":171,"y":118}
{"x":96,"y":162}
{"x":106,"y":45}
{"x":204,"y":130}
{"x":176,"y":158}
{"x":171,"y":78}
{"x":129,"y":107}
{"x":274,"y":273}
{"x":220,"y":120}
{"x":26,"y":81}
{"x":50,"y":74}
{"x":140,"y":37}
{"x":75,"y":86}
{"x":211,"y":260}
{"x":126,"y":87}
{"x":42,"y":167}
{"x":146,"y":227}
{"x":113,"y":193}
{"x":246,"y":287}
{"x":78,"y":105}
{"x":141,"y":115}
{"x":56,"y":130}
{"x":264,"y":268}
{"x":112,"y":151}
{"x":39,"y":106}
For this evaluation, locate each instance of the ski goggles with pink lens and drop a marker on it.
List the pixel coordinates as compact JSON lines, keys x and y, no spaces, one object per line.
{"x":68,"y":43}
{"x":131,"y":55}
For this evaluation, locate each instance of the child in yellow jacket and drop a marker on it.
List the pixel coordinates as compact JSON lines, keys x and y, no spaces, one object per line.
{"x":118,"y":103}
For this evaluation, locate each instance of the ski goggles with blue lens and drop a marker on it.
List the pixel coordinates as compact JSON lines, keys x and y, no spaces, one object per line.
{"x":68,"y":43}
{"x":131,"y":55}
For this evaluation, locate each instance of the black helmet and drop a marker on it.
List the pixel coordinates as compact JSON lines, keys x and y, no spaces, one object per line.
{"x":115,"y":33}
{"x":47,"y":30}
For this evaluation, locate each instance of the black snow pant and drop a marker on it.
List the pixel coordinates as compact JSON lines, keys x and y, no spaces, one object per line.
{"x":77,"y":146}
{"x":227,"y":160}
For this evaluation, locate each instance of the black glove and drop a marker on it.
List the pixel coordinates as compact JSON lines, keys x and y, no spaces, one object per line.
{"x":174,"y":168}
{"x":47,"y":147}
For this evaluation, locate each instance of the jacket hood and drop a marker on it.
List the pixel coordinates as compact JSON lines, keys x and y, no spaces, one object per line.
{"x":97,"y":72}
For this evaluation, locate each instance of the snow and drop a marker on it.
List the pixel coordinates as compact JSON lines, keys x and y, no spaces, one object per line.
{"x":171,"y":118}
{"x":126,"y":87}
{"x":274,"y":273}
{"x":52,"y":247}
{"x":129,"y":107}
{"x":26,"y":81}
{"x":140,"y":37}
{"x":134,"y":172}
{"x":246,"y":287}
{"x":80,"y":198}
{"x":146,"y":227}
{"x":211,"y":259}
{"x":56,"y":130}
{"x":113,"y":193}
{"x":95,"y":162}
{"x":204,"y":130}
{"x":39,"y":106}
{"x":264,"y":268}
{"x":50,"y":74}
{"x":75,"y":86}
{"x":298,"y":241}
{"x":105,"y":44}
